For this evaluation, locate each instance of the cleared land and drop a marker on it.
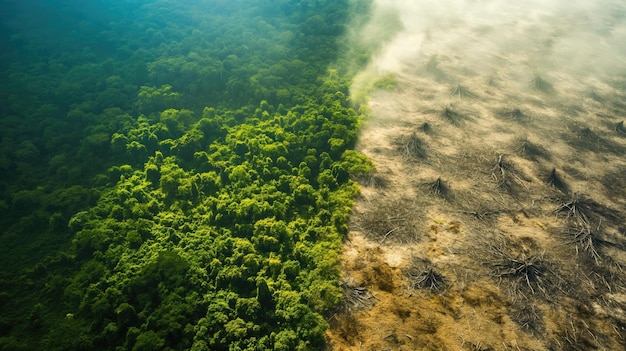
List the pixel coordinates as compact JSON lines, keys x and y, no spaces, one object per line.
{"x":496,"y":219}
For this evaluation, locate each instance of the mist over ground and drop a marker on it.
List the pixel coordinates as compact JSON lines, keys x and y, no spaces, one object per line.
{"x":495,"y":217}
{"x":579,"y":38}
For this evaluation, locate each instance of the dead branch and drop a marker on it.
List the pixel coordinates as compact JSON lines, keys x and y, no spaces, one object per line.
{"x":412,"y":147}
{"x":505,"y":174}
{"x":555,"y":180}
{"x":576,"y":209}
{"x":388,"y":222}
{"x":429,"y":279}
{"x":582,"y":210}
{"x":527,"y":270}
{"x":501,"y":169}
{"x":438,"y":188}
{"x":355,"y":297}
{"x":454,"y":117}
{"x":528,"y":317}
{"x":423,"y":275}
{"x":515,"y":115}
{"x":523,"y":270}
{"x":387,"y":234}
{"x":585,"y":238}
{"x":461,"y":92}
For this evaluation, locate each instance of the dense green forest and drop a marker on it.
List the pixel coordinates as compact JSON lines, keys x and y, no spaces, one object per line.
{"x":173,"y":174}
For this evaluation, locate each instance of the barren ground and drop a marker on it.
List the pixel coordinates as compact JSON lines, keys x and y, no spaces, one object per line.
{"x":496,"y":217}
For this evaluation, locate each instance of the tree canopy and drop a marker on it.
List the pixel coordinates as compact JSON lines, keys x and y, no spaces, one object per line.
{"x":174,"y":174}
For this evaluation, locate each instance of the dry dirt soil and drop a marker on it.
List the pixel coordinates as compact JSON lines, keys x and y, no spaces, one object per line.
{"x":496,"y":217}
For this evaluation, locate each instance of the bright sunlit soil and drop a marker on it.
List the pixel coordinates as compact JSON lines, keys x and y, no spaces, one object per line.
{"x":496,"y":219}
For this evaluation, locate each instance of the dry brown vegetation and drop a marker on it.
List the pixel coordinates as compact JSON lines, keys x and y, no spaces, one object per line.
{"x":495,"y":220}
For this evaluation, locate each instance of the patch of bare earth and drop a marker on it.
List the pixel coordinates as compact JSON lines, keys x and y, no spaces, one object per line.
{"x":495,"y":219}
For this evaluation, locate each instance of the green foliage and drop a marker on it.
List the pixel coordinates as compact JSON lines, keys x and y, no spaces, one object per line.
{"x":175,"y":178}
{"x":153,"y":99}
{"x":273,"y":240}
{"x":355,"y":163}
{"x":387,"y":82}
{"x":148,"y":341}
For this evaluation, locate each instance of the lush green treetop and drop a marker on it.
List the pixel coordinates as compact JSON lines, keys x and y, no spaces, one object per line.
{"x":173,"y":174}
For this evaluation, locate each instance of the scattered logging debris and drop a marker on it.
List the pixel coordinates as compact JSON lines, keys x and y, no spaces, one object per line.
{"x":614,"y":182}
{"x":587,"y":139}
{"x":521,"y":268}
{"x":555,"y":180}
{"x":412,"y":147}
{"x":577,"y":335}
{"x":355,"y":297}
{"x":528,"y":316}
{"x":532,"y":277}
{"x":422,"y":274}
{"x":426,"y":128}
{"x":501,"y":169}
{"x":531,"y":151}
{"x":389,"y":222}
{"x":428,"y":279}
{"x":438,"y":188}
{"x":526,"y":272}
{"x":452,"y":116}
{"x":585,"y":238}
{"x":483,"y":214}
{"x":577,"y":209}
{"x":506,"y":175}
{"x":585,"y":219}
{"x":374,"y":180}
{"x":514,"y":114}
{"x":461,"y":92}
{"x":541,"y":85}
{"x":582,"y":209}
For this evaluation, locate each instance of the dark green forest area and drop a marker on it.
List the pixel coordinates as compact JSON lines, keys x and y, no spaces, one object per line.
{"x":173,"y":174}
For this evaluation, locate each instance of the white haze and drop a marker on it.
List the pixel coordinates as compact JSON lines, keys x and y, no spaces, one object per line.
{"x":574,"y":37}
